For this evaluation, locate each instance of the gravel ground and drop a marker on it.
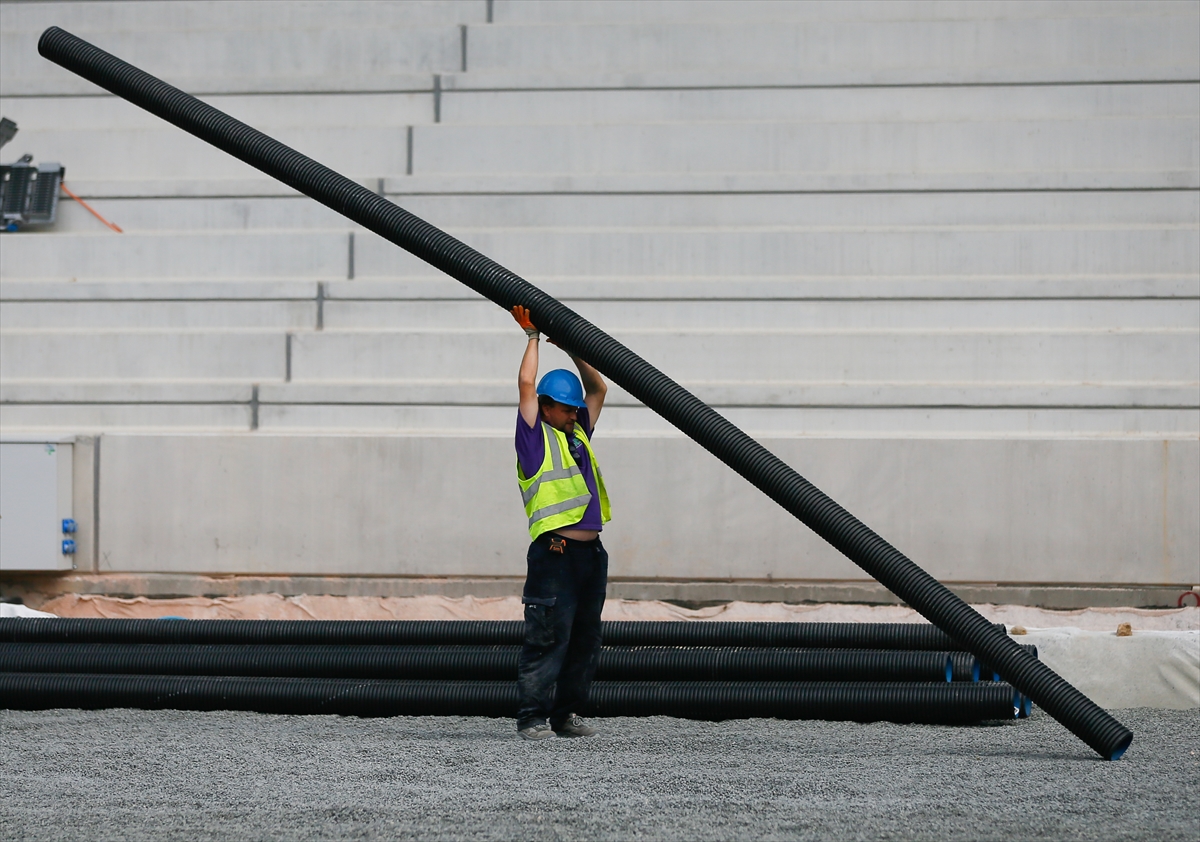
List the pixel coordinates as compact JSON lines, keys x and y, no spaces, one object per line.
{"x":128,"y":774}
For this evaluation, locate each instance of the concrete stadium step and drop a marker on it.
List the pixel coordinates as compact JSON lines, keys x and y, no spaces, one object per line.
{"x":149,"y":16}
{"x":1147,"y":356}
{"x":156,"y":213}
{"x":105,"y":140}
{"x":794,"y":251}
{"x":80,"y":419}
{"x":1166,"y":355}
{"x":882,"y":251}
{"x":638,"y":184}
{"x":606,"y":211}
{"x":173,"y":354}
{"x":1082,"y":46}
{"x":176,"y":254}
{"x":631,"y":288}
{"x":159,"y":314}
{"x":863,"y":105}
{"x":273,"y":59}
{"x":341,"y":314}
{"x":740,"y":11}
{"x":617,"y":420}
{"x":277,"y":112}
{"x":947,"y":147}
{"x":164,"y":161}
{"x":176,"y":290}
{"x":707,"y":183}
{"x":1145,"y":153}
{"x":14,"y":391}
{"x":1034,"y":285}
{"x":484,"y":393}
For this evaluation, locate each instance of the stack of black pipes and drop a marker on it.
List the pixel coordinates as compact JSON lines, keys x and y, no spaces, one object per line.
{"x":697,"y":670}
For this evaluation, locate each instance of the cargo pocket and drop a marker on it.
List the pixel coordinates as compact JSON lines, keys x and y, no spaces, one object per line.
{"x":539,"y":621}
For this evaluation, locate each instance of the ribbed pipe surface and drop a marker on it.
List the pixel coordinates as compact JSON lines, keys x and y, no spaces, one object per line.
{"x":911,"y":636}
{"x":646,"y":383}
{"x":862,"y":701}
{"x":962,"y":667}
{"x":470,"y":662}
{"x":987,"y":673}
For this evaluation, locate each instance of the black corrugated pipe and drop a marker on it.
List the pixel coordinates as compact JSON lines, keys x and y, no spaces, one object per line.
{"x":986,"y":673}
{"x":472,"y":662}
{"x":711,"y":700}
{"x":962,"y":667}
{"x":471,"y":632}
{"x":911,"y":636}
{"x":575,"y":334}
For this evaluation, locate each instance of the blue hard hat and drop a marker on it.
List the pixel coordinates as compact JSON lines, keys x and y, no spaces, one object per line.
{"x":563,"y":386}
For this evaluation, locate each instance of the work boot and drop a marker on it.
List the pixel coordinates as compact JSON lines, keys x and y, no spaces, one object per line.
{"x":575,"y":727}
{"x":540,"y":731}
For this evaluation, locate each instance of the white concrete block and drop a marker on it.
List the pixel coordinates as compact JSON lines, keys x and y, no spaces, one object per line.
{"x":745,"y":393}
{"x":606,"y":211}
{"x":154,"y":16}
{"x":895,"y":251}
{"x":176,"y":254}
{"x":759,"y":422}
{"x":159,"y":314}
{"x":228,"y":289}
{"x":957,"y":355}
{"x":171,"y":354}
{"x":908,"y":315}
{"x":705,"y":183}
{"x":325,"y":58}
{"x":267,"y":112}
{"x":680,"y":288}
{"x":1077,"y":46}
{"x":632,"y":105}
{"x":103,"y":418}
{"x":740,"y":11}
{"x":252,"y":186}
{"x":167,"y":154}
{"x":236,"y":214}
{"x":1119,"y":511}
{"x":943,"y":147}
{"x":734,"y":210}
{"x":123,"y":391}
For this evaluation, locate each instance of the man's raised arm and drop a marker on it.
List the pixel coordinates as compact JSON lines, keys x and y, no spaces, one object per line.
{"x":527,"y":376}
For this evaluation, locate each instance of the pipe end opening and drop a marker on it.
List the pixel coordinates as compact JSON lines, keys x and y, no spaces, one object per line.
{"x":1120,"y":750}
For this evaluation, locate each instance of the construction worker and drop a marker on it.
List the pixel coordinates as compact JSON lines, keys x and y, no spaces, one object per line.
{"x":567,"y":507}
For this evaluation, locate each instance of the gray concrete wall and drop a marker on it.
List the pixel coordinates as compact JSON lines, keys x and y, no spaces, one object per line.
{"x":944,"y":257}
{"x":1113,"y":511}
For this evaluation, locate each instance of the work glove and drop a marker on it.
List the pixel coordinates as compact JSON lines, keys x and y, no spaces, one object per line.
{"x":521,"y":314}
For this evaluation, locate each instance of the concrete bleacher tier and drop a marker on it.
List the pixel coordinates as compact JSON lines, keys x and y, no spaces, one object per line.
{"x":943,"y":257}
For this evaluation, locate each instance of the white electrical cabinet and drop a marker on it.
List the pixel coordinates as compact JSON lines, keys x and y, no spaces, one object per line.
{"x":36,"y":524}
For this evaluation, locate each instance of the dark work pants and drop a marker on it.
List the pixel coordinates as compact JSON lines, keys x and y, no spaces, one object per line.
{"x":563,"y":597}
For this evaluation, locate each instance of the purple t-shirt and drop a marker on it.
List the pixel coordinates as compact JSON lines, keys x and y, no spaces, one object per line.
{"x":531,"y":451}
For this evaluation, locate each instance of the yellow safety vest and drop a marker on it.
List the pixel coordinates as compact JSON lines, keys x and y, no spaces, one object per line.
{"x":557,"y":495}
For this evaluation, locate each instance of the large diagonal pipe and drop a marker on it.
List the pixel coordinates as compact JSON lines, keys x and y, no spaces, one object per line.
{"x":574,"y":333}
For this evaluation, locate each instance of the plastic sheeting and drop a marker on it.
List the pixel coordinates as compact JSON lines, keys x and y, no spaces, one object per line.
{"x":318,"y":607}
{"x":7,"y":610}
{"x":1152,"y":669}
